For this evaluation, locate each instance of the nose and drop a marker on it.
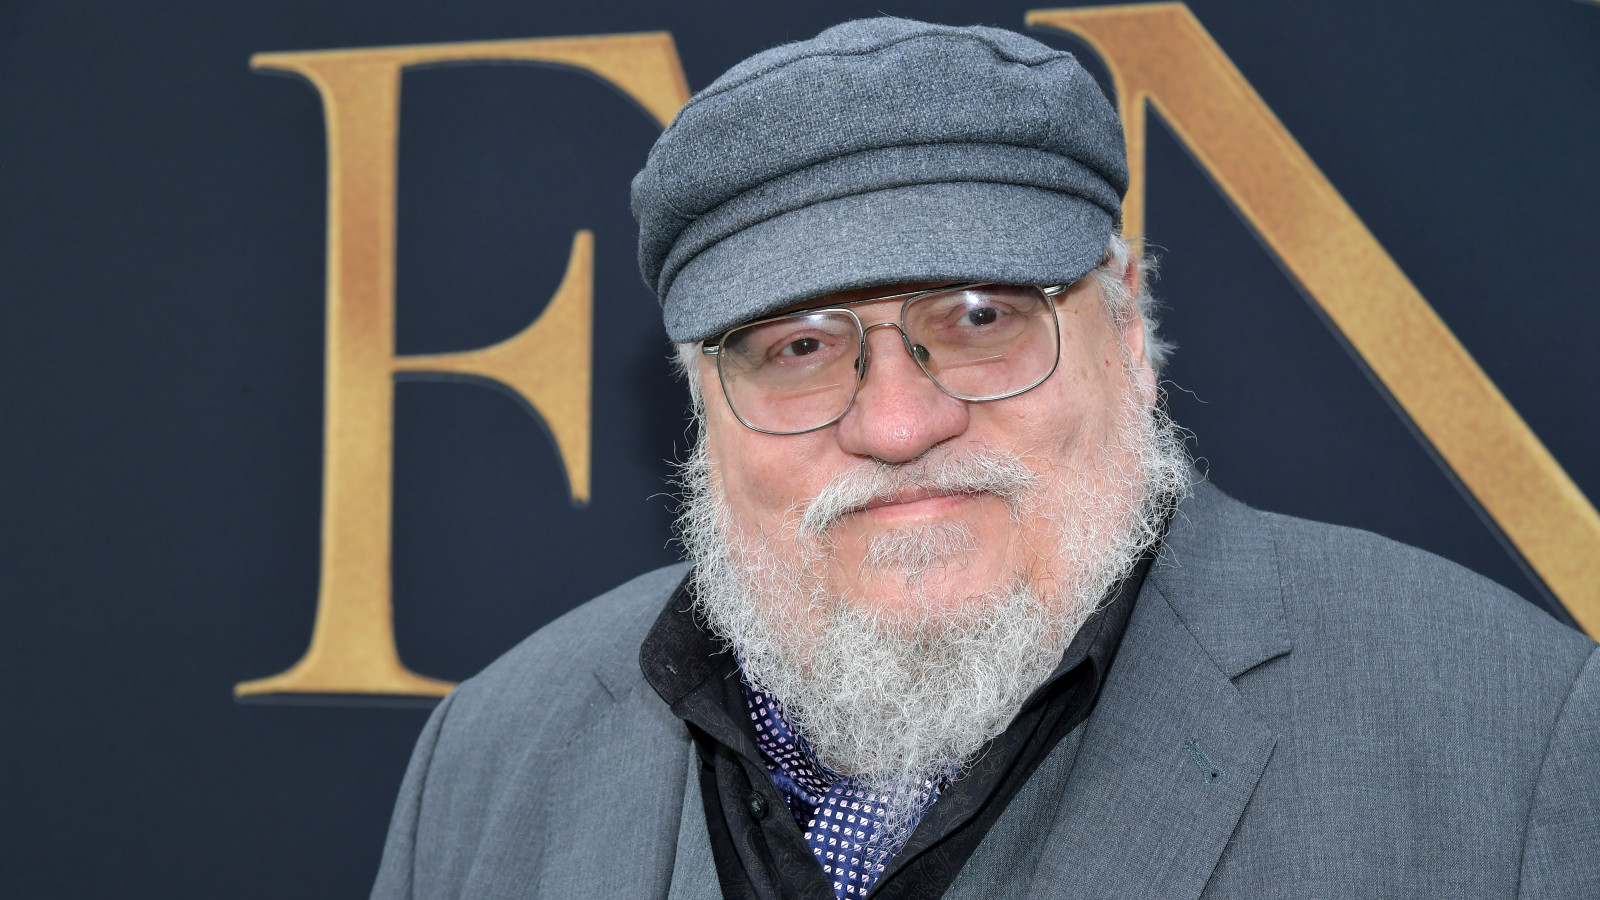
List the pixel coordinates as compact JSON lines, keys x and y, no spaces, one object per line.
{"x":899,"y":413}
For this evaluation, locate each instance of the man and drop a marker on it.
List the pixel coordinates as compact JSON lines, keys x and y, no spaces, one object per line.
{"x":961,"y":621}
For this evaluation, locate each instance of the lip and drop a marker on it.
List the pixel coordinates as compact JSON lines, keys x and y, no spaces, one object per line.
{"x":914,"y":504}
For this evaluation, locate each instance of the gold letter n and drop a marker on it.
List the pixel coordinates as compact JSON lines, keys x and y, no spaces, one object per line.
{"x":1158,"y":53}
{"x":548,"y":364}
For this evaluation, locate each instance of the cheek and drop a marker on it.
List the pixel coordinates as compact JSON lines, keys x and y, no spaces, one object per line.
{"x":1074,"y":413}
{"x":762,"y":475}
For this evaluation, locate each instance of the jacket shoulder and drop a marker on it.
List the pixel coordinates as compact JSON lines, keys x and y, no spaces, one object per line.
{"x":1360,"y":583}
{"x":1433,"y":649}
{"x":561,"y":728}
{"x":1251,"y":585}
{"x":560,"y":673}
{"x":1429,"y":723}
{"x":601,"y":633}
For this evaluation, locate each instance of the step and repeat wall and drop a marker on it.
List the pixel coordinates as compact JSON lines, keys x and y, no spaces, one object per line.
{"x":329,"y":374}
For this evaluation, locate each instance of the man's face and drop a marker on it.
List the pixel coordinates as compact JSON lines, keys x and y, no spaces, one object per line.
{"x":1068,"y":424}
{"x":904,"y":578}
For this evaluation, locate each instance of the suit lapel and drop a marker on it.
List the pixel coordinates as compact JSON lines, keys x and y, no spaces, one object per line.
{"x":1173,"y":752}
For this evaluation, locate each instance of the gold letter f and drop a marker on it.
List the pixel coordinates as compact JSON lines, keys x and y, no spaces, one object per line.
{"x":548,"y":364}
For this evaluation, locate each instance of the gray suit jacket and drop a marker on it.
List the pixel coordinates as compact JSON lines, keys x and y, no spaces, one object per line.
{"x":1296,"y":710}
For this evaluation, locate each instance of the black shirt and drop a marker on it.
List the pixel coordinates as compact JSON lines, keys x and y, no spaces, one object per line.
{"x":759,"y":849}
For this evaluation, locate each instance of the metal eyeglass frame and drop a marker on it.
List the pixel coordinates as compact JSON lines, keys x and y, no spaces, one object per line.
{"x":715,"y":348}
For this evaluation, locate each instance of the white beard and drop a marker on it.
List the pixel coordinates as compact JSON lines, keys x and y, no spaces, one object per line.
{"x":900,"y":699}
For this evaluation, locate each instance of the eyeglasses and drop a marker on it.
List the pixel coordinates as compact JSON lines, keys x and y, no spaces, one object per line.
{"x":800,"y":371}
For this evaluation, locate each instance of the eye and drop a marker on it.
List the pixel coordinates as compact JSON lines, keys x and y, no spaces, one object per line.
{"x":983,"y":315}
{"x":801,"y":347}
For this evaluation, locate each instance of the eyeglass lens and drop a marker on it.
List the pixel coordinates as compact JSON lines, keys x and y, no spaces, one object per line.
{"x":798,"y":373}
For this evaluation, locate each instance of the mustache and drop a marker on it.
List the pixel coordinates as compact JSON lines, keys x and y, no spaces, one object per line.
{"x":978,"y":471}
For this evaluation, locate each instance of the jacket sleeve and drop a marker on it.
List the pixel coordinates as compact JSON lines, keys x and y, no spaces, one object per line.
{"x":1561,"y":853}
{"x":395,"y":873}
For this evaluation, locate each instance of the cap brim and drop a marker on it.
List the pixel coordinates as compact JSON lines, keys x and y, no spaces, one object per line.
{"x":964,"y":231}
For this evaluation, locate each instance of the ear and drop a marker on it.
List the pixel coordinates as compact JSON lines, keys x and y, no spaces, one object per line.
{"x":1133,"y":334}
{"x":1133,"y":328}
{"x":1130,"y":273}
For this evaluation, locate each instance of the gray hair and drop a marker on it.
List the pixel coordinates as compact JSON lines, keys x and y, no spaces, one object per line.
{"x":1110,"y":275}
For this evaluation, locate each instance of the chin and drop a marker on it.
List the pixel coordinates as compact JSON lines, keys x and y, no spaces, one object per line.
{"x":952,"y":586}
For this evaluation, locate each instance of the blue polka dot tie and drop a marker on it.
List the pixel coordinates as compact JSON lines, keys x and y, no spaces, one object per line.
{"x":839,"y":817}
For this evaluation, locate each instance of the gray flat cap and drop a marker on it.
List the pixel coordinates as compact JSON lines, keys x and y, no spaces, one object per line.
{"x":882,"y":151}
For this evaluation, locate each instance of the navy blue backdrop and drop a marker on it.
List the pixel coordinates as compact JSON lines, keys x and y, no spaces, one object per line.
{"x":162,"y":228}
